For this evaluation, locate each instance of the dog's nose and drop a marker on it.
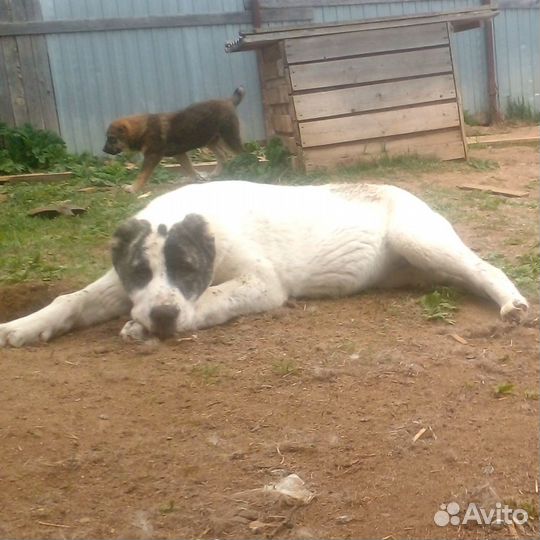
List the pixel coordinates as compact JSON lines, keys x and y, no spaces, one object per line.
{"x":164,"y":319}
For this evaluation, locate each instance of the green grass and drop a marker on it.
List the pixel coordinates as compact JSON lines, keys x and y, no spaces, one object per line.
{"x":505,"y":389}
{"x":206,"y":373}
{"x":440,"y":305}
{"x":469,"y":119}
{"x":386,"y":165}
{"x":76,"y":248}
{"x":482,"y":164}
{"x":524,"y":270}
{"x":284,"y":367}
{"x":521,"y":111}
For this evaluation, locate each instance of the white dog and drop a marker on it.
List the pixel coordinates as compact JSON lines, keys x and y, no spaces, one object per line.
{"x":203,"y":254}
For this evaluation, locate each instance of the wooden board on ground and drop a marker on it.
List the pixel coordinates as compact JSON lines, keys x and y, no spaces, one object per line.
{"x":36,"y":177}
{"x":495,"y":190}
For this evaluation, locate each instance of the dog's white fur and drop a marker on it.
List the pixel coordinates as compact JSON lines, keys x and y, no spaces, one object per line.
{"x":275,"y":242}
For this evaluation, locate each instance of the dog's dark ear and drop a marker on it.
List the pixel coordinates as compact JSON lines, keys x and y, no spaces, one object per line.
{"x":194,"y":229}
{"x":126,"y":233}
{"x":189,"y":255}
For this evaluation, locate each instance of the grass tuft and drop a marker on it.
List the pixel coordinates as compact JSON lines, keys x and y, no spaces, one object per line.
{"x":505,"y":389}
{"x":440,"y":305}
{"x":519,"y":110}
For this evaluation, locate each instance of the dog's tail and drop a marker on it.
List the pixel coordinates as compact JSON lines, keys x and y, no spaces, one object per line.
{"x":238,"y":95}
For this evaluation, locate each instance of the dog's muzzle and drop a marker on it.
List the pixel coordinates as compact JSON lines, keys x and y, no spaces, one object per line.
{"x":164,"y":320}
{"x":111,"y":150}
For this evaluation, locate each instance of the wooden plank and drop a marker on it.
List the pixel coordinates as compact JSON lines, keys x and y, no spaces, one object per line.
{"x":6,"y":110}
{"x":277,"y":95}
{"x":495,"y":190}
{"x":379,"y":124}
{"x":444,"y":145}
{"x":207,"y":167}
{"x":42,"y":70}
{"x":370,"y":69}
{"x":282,"y":123}
{"x":371,"y":41}
{"x":27,"y":70}
{"x":290,"y":144}
{"x":458,"y":97}
{"x":161,"y":21}
{"x":375,"y":96}
{"x":248,"y":41}
{"x":271,"y":53}
{"x":36,"y":177}
{"x":273,"y":69}
{"x":14,"y":80}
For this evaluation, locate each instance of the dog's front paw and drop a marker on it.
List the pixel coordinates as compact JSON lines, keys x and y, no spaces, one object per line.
{"x":134,"y":331}
{"x":515,"y":310}
{"x":15,"y":334}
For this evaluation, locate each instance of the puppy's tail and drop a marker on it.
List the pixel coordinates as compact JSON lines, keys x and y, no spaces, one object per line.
{"x":238,"y":95}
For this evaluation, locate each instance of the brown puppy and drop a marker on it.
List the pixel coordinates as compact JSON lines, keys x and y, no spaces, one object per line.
{"x":211,"y":123}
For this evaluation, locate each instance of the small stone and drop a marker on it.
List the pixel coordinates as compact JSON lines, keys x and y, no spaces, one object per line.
{"x":103,"y":416}
{"x":343,"y":520}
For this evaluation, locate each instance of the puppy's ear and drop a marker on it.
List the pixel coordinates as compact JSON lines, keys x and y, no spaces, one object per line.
{"x":122,"y":128}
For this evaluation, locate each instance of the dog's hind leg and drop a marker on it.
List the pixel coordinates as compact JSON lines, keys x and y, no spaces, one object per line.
{"x":188,"y":169}
{"x":221,"y":156}
{"x":230,"y":133}
{"x":100,"y":301}
{"x":428,"y":241}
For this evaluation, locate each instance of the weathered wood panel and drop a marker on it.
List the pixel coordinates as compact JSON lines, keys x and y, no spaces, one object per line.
{"x":367,"y":42}
{"x":458,"y":100}
{"x":444,"y":145}
{"x":370,"y":69}
{"x":282,"y":123}
{"x":6,"y":110}
{"x":379,"y":124}
{"x":375,"y":96}
{"x":26,"y":85}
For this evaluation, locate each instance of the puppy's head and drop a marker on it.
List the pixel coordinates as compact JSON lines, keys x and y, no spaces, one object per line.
{"x":117,"y":135}
{"x":164,"y":271}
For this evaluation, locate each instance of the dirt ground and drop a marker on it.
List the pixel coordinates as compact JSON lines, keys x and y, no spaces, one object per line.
{"x":101,"y":439}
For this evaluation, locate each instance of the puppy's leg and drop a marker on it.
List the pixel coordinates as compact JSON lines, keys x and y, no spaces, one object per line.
{"x":230,"y":134}
{"x":100,"y":301}
{"x":187,"y":166}
{"x":240,"y":296}
{"x":150,"y":162}
{"x":427,"y":241}
{"x":221,"y":157}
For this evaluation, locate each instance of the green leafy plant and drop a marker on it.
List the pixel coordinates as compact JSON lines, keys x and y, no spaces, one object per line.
{"x":26,"y":149}
{"x":440,"y":305}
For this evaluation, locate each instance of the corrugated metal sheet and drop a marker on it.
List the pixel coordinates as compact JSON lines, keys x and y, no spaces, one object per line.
{"x":517,"y":44}
{"x":99,"y":76}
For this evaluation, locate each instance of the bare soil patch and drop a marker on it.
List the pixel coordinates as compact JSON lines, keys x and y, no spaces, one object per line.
{"x":100,"y":439}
